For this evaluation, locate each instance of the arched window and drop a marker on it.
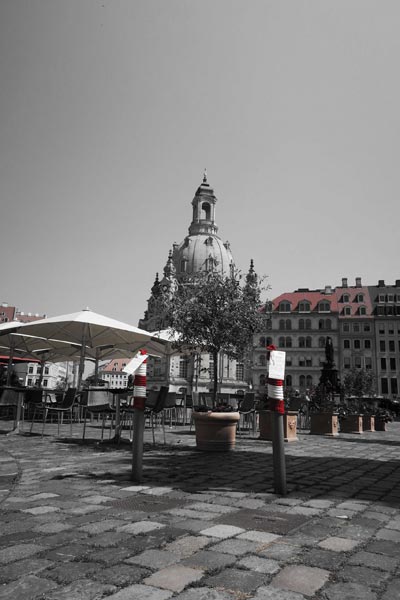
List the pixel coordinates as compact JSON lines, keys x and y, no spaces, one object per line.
{"x":345,"y":298}
{"x":309,"y":381}
{"x":360,"y":298}
{"x":262,"y":343}
{"x":282,"y":324}
{"x":284,"y":307}
{"x":184,"y":263}
{"x":308,"y":342}
{"x":288,"y":381}
{"x":281,"y":342}
{"x":262,"y":379}
{"x":288,"y":324}
{"x":304,"y":306}
{"x":328,"y":324}
{"x":302,"y":324}
{"x":308,"y":324}
{"x":206,"y":211}
{"x":302,"y":342}
{"x":347,"y":310}
{"x":321,"y":324}
{"x":362,"y":310}
{"x":288,"y":342}
{"x":302,"y":381}
{"x":261,"y":360}
{"x":269,"y":341}
{"x":321,"y":342}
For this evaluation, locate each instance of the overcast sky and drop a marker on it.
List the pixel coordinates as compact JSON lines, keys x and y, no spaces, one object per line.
{"x":111,"y":110}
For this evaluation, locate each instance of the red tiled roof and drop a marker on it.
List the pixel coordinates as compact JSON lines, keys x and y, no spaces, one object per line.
{"x":335,"y":298}
{"x":115,"y":365}
{"x":313,"y":297}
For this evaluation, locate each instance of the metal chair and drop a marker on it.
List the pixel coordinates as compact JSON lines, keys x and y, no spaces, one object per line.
{"x":155,"y":404}
{"x":97,"y":402}
{"x":66,"y":406}
{"x":9,"y":400}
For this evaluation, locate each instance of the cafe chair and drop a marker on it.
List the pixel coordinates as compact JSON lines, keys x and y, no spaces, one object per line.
{"x":154,"y":408}
{"x":97,"y":402}
{"x":34,"y":398}
{"x":9,"y":402}
{"x":65,"y":407}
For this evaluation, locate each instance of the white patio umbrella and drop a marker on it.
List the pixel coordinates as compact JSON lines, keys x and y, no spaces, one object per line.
{"x":91,"y":331}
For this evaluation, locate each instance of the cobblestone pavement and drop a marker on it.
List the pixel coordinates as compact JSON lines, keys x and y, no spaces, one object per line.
{"x":200,"y":526}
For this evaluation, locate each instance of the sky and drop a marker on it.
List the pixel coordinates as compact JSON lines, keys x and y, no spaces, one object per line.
{"x":111,"y":109}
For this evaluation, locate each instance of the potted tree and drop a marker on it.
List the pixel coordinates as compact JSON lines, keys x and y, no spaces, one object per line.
{"x":216,"y":314}
{"x":357,"y":383}
{"x":265,"y":419}
{"x":323,"y":412}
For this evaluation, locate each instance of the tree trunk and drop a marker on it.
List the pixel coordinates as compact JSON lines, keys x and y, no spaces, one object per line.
{"x":215,"y":377}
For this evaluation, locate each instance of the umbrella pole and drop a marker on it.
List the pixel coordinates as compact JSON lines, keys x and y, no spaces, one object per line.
{"x":10,"y":362}
{"x":82,"y":359}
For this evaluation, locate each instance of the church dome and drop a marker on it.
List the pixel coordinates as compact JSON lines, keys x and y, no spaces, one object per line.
{"x":203,"y":249}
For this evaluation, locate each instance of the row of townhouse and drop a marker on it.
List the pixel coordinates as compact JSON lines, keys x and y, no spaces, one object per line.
{"x":363,"y":323}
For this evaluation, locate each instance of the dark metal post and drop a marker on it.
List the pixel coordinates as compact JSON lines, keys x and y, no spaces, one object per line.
{"x":278,"y":450}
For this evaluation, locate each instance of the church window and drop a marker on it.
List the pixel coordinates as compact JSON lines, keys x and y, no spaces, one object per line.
{"x":206,"y":211}
{"x":184,"y":265}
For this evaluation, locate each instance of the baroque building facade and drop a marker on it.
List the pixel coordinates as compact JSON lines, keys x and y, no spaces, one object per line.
{"x":202,"y":250}
{"x":363,"y":323}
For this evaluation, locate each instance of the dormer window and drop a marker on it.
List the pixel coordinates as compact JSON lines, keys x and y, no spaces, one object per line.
{"x":324,"y":306}
{"x":284,"y":307}
{"x":362,"y":310}
{"x":304,"y":306}
{"x":360,"y":298}
{"x":347,"y":310}
{"x":345,"y":298}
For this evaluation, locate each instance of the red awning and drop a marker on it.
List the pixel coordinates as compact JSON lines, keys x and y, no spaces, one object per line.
{"x":4,"y":360}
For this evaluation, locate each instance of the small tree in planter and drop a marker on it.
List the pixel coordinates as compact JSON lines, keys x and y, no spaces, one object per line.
{"x":357,"y":383}
{"x":215,"y":313}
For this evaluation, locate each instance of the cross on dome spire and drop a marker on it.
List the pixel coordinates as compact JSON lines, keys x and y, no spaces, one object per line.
{"x":205,"y":176}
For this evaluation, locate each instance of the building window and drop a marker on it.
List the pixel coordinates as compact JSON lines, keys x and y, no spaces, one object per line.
{"x":345,"y":298}
{"x":347,"y":310}
{"x":360,"y":298}
{"x":261,"y":342}
{"x":302,"y":361}
{"x":309,"y":381}
{"x":44,"y":382}
{"x":302,"y":381}
{"x":302,"y":342}
{"x":368,"y":362}
{"x":346,"y":327}
{"x":46,"y":370}
{"x":308,"y":324}
{"x":393,"y":386}
{"x":288,"y":381}
{"x":29,"y":381}
{"x":384,"y":385}
{"x":308,"y":362}
{"x":362,"y":310}
{"x":357,"y":362}
{"x":391,"y":346}
{"x":262,"y":379}
{"x":346,"y":362}
{"x":382,"y":346}
{"x":304,"y":306}
{"x":284,"y":307}
{"x":381,"y":298}
{"x":308,"y":342}
{"x":392,"y":364}
{"x":356,"y":327}
{"x":240,"y":371}
{"x":367,"y":344}
{"x":324,"y":306}
{"x":346,"y":344}
{"x":381,"y":329}
{"x":183,"y":367}
{"x":390,"y":298}
{"x":357,"y":344}
{"x":321,"y":342}
{"x":367,"y":327}
{"x":383,"y":364}
{"x":261,"y":360}
{"x":30,"y":370}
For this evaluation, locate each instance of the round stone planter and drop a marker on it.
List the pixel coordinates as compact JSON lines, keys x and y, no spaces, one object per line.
{"x":216,"y":431}
{"x":352,"y":424}
{"x":324,"y":424}
{"x":368,"y":423}
{"x":265,"y":419}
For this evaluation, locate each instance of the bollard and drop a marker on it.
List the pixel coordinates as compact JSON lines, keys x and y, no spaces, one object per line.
{"x":139,"y":402}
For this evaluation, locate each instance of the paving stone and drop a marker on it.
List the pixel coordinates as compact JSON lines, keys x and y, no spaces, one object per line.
{"x":174,"y":578}
{"x":140,"y":592}
{"x":213,"y":508}
{"x":101,"y":526}
{"x":348,"y":591}
{"x":188,"y":545}
{"x":222,"y":531}
{"x":41,"y":510}
{"x":121,"y":575}
{"x":236,"y":547}
{"x":192,"y":514}
{"x":26,"y":588}
{"x":140,"y":527}
{"x":364,"y":575}
{"x":392,"y":591}
{"x":52,"y":527}
{"x":393,"y":524}
{"x":271,"y":593}
{"x":376,"y":561}
{"x":153,"y":559}
{"x":208,"y":560}
{"x":64,"y":573}
{"x":260,"y":565}
{"x":324,"y":559}
{"x":301,"y":579}
{"x":282,"y":551}
{"x":338,"y":544}
{"x":383,"y":547}
{"x":84,"y":589}
{"x":28,"y":567}
{"x":388,"y":534}
{"x":204,"y":593}
{"x":237,"y":580}
{"x":18,"y":552}
{"x":66,"y":553}
{"x":259,"y":536}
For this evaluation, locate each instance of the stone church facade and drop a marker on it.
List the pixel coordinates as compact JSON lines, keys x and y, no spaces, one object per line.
{"x":202,"y":250}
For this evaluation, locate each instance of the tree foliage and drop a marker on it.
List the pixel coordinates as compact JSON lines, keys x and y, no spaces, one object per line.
{"x":213,"y":314}
{"x":358,"y":383}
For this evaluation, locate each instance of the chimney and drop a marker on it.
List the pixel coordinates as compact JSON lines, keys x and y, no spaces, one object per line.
{"x":397,"y":284}
{"x":344,"y":281}
{"x":381,"y":283}
{"x":328,"y":290}
{"x":358,"y":281}
{"x":5,"y":305}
